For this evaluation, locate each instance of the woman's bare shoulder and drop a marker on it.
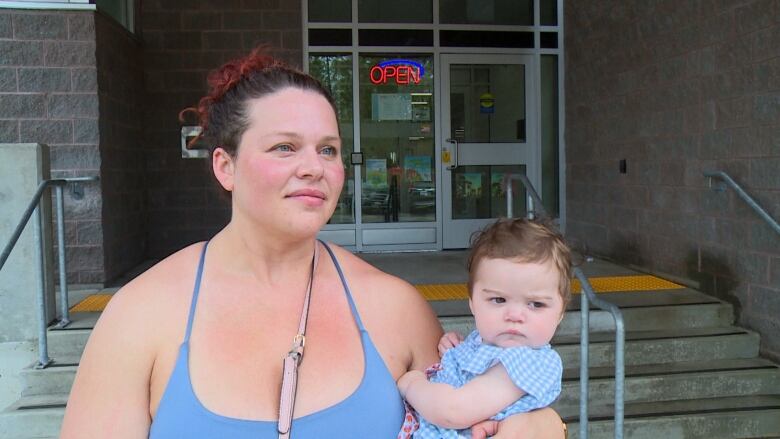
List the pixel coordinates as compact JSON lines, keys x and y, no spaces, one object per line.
{"x":167,"y":276}
{"x":366,"y":279}
{"x":144,"y":316}
{"x":394,"y":312}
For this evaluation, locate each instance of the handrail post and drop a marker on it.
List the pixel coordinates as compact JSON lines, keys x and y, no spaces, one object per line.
{"x":509,"y":195}
{"x":64,"y":312}
{"x":43,"y":349}
{"x":584,"y":358}
{"x":620,"y":335}
{"x":530,"y":208}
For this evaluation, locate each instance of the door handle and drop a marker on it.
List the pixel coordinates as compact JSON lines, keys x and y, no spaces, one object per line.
{"x":454,"y":153}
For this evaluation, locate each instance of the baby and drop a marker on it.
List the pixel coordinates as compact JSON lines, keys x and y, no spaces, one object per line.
{"x":519,"y":279}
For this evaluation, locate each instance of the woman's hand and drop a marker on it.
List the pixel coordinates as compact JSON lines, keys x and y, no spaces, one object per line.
{"x":538,"y":424}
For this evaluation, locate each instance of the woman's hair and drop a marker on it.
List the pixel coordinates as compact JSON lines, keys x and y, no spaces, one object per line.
{"x":224,"y":113}
{"x":522,"y":240}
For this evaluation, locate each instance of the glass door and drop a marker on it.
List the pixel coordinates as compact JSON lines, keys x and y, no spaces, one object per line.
{"x":489,"y":131}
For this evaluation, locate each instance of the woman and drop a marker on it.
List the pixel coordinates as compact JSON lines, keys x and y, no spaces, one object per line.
{"x":169,"y":360}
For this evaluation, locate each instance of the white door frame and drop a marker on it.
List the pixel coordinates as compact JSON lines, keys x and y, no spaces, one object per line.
{"x":456,"y":233}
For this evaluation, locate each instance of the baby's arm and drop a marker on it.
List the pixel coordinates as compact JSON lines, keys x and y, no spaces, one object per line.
{"x":450,"y":407}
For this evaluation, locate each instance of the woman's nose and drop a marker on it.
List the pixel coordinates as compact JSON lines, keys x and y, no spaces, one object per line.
{"x":310,"y":165}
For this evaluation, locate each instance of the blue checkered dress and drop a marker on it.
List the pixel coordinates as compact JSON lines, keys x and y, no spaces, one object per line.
{"x":537,"y":371}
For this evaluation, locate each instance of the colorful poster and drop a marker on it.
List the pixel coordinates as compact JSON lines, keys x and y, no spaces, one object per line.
{"x":376,"y":173}
{"x":470,"y":184}
{"x":417,"y":168}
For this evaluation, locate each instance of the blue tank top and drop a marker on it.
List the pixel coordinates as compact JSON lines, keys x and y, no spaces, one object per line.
{"x":373,"y":410}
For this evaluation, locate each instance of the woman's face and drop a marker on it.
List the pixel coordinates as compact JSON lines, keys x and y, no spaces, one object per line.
{"x":287,"y":174}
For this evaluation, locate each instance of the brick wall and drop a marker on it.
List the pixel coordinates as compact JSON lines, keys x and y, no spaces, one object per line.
{"x":676,"y":88}
{"x":183,"y":41}
{"x":48,"y":94}
{"x":122,"y":149}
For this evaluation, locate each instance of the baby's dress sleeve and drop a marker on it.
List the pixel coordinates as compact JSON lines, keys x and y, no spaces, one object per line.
{"x":536,"y":371}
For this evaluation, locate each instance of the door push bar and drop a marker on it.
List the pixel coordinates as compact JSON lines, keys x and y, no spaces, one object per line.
{"x":454,"y":153}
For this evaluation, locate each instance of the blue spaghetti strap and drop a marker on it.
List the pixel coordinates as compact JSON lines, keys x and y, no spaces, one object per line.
{"x":346,"y":287}
{"x":195,"y":292}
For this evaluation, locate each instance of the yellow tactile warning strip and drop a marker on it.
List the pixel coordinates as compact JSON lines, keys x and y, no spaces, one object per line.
{"x":92,"y":303}
{"x":616,"y":284}
{"x":611,"y":284}
{"x":443,"y":291}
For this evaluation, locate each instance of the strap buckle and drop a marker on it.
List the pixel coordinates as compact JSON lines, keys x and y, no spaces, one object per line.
{"x":296,"y":351}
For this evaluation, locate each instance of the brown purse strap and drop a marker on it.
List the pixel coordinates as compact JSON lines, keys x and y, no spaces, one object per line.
{"x":293,"y":359}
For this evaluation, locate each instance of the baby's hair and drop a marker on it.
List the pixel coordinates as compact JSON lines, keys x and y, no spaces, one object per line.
{"x":223,"y":113}
{"x":522,"y":240}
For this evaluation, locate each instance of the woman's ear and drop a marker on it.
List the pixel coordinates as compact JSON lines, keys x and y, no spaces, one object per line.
{"x":224,"y":168}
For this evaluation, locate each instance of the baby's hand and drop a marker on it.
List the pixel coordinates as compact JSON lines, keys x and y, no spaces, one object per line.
{"x":448,"y":341}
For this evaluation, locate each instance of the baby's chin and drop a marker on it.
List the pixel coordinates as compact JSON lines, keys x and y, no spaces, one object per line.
{"x":511,"y":341}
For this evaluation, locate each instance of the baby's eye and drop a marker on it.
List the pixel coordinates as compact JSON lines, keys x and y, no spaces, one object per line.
{"x":537,"y":304}
{"x":497,"y":300}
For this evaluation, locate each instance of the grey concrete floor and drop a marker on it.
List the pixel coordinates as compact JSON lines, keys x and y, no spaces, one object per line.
{"x":449,"y":266}
{"x":431,"y":267}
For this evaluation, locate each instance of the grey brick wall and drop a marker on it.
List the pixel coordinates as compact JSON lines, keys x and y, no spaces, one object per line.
{"x":676,"y":88}
{"x":119,"y":77}
{"x":183,"y":41}
{"x":46,"y":59}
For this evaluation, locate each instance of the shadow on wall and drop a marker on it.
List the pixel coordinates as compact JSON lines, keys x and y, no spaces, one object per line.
{"x":715,"y":277}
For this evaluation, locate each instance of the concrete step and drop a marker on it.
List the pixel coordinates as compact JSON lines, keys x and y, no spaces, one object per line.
{"x":30,"y":417}
{"x":56,"y":378}
{"x":659,"y":347}
{"x":68,"y":342}
{"x":667,"y":382}
{"x":712,"y":418}
{"x":636,"y":318}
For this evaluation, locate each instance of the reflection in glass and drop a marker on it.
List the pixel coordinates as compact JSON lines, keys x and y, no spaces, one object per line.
{"x":549,"y":115}
{"x":501,"y":12}
{"x":548,"y":12}
{"x":396,"y":11}
{"x":335,"y":72}
{"x":333,"y":11}
{"x":487,"y":102}
{"x":396,"y":138}
{"x":479,"y":192}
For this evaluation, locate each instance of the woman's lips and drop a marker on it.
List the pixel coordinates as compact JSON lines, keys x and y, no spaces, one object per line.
{"x":311,"y":197}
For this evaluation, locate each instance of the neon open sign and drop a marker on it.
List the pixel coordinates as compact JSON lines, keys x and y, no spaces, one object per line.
{"x":402,"y":71}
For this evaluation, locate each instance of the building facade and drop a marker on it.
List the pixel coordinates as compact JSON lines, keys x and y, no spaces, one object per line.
{"x":612,"y":110}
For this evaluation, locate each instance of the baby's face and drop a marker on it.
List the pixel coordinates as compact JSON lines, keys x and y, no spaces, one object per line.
{"x":516,"y":303}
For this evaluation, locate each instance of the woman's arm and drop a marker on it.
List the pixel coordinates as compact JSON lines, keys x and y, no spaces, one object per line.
{"x":110,"y":395}
{"x":462,"y":407}
{"x":538,"y":424}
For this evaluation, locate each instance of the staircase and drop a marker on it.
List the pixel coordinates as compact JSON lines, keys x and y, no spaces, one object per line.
{"x":689,"y":372}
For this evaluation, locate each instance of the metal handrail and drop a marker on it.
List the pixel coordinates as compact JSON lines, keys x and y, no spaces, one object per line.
{"x":587,"y":296}
{"x":533,"y":199}
{"x":35,"y":207}
{"x":745,"y":197}
{"x":620,"y":347}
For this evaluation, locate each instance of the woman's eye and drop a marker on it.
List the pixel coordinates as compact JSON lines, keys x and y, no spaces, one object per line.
{"x":283,"y":148}
{"x":497,"y":300}
{"x":329,"y":150}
